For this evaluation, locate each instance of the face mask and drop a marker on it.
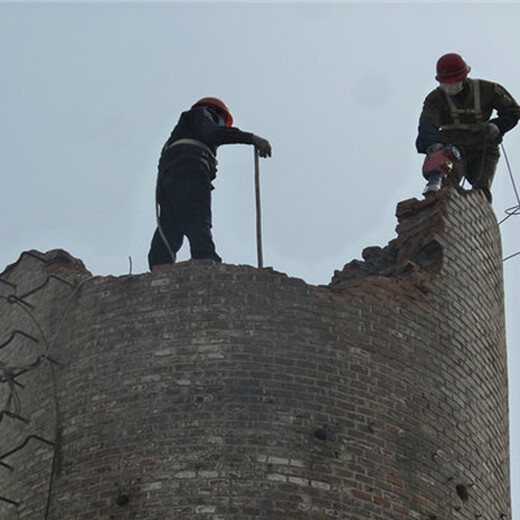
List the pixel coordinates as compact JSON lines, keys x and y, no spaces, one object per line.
{"x":452,"y":89}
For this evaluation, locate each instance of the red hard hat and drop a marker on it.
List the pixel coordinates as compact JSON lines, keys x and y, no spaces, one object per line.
{"x":451,"y":67}
{"x":219,"y":104}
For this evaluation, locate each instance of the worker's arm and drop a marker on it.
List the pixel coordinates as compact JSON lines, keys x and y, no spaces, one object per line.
{"x":508,"y":110}
{"x":429,"y":123}
{"x":214,"y":135}
{"x":426,"y":137}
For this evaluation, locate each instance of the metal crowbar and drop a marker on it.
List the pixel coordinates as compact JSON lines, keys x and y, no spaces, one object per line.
{"x":258,"y":212}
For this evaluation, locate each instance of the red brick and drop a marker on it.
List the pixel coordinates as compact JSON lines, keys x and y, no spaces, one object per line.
{"x":361,"y":494}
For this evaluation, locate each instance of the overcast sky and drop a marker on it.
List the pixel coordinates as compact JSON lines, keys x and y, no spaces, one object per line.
{"x":90,"y":91}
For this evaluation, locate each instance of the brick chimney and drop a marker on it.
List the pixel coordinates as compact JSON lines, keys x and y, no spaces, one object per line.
{"x":222,"y":392}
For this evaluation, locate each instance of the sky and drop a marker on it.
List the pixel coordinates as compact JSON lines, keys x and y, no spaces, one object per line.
{"x":91,"y":90}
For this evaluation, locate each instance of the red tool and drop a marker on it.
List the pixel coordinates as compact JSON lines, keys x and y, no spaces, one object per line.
{"x":438,"y":165}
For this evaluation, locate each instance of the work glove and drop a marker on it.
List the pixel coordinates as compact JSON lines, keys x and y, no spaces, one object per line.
{"x":489,"y":131}
{"x":435,"y":147}
{"x":493,"y":131}
{"x":262,"y":145}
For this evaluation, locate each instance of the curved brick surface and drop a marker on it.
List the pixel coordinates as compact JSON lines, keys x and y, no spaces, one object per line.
{"x":215,"y":392}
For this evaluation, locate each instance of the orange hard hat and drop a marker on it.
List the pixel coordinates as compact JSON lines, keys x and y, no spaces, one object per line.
{"x":451,"y":67}
{"x":213,"y":101}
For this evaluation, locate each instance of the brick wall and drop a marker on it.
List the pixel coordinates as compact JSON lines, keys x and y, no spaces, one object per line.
{"x":216,"y":392}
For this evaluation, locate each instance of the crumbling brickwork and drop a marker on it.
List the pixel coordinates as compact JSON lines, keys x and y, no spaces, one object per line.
{"x":223,"y":392}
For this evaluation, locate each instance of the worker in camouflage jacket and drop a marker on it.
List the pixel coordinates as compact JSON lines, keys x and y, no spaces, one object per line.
{"x":459,"y":113}
{"x":187,"y":167}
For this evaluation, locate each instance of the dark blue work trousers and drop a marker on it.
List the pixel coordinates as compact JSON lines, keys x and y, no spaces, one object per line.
{"x":184,"y":198}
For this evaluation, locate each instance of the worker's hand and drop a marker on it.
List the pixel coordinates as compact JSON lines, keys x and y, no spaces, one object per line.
{"x":262,"y":145}
{"x":488,"y":131}
{"x":493,"y":131}
{"x":435,"y":147}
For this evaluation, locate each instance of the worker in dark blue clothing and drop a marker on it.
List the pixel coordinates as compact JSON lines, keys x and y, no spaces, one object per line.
{"x":187,"y":167}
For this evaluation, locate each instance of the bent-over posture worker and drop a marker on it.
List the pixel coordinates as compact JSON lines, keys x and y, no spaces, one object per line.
{"x":458,"y":112}
{"x":186,"y":168}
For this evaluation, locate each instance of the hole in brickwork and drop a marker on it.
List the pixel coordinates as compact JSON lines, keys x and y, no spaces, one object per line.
{"x":324,"y":433}
{"x":122,"y":499}
{"x":462,"y":491}
{"x":320,"y":434}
